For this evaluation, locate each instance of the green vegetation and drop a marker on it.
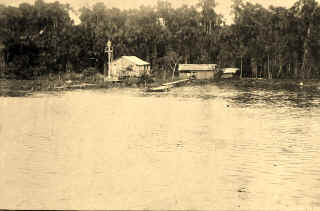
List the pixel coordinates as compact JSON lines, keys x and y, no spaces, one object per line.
{"x":41,"y":40}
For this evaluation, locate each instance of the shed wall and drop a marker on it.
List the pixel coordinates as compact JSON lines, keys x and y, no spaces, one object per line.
{"x":204,"y":75}
{"x":197,"y":74}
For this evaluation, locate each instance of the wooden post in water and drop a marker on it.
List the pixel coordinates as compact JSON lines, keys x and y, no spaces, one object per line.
{"x":241,"y":68}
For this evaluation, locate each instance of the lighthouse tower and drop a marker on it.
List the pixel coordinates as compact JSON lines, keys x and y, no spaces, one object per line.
{"x":109,"y":51}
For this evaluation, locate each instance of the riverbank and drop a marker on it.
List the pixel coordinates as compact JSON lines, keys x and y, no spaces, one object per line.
{"x":25,"y":87}
{"x":12,"y":87}
{"x":68,"y":81}
{"x":260,"y":83}
{"x":273,"y":84}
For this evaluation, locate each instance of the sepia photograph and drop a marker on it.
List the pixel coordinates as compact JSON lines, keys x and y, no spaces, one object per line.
{"x":160,"y":105}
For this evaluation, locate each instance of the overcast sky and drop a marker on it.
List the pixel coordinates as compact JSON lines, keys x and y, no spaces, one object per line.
{"x":222,"y":8}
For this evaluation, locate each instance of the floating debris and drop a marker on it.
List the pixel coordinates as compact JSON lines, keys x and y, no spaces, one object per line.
{"x":243,"y":190}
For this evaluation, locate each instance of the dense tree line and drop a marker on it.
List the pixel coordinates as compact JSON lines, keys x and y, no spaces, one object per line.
{"x":273,"y":42}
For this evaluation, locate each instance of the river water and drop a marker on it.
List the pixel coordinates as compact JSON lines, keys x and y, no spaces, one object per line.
{"x":200,"y":147}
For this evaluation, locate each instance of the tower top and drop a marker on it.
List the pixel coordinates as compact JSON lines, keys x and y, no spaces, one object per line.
{"x":109,"y":43}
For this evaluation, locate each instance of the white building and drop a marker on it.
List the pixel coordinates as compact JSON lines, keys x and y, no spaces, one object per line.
{"x":128,"y":66}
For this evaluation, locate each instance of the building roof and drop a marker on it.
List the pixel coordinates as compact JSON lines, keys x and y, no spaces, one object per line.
{"x":230,"y":70}
{"x":196,"y":67}
{"x":136,"y":60}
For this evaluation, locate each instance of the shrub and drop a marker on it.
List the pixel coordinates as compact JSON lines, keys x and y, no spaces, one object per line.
{"x":89,"y":72}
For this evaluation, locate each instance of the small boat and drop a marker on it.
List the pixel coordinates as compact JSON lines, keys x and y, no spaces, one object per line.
{"x":158,"y":89}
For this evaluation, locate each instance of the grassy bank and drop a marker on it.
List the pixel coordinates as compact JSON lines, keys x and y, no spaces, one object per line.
{"x":12,"y":87}
{"x":286,"y":84}
{"x":50,"y":82}
{"x":67,"y":81}
{"x":260,"y":83}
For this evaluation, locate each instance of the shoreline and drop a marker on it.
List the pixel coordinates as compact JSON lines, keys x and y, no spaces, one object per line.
{"x":14,"y":87}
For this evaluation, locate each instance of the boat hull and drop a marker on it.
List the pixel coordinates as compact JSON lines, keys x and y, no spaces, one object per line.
{"x":158,"y":89}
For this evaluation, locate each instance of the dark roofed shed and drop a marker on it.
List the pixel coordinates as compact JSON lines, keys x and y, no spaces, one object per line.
{"x":199,"y":71}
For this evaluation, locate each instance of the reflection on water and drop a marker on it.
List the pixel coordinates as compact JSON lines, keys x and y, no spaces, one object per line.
{"x":200,"y":147}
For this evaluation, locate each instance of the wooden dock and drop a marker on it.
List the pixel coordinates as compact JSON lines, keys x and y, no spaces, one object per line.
{"x":166,"y":86}
{"x":175,"y":82}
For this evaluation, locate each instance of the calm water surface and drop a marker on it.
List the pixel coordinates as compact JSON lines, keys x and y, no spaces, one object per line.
{"x":203,"y":147}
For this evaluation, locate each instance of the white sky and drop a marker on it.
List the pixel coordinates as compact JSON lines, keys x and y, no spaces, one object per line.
{"x":222,"y":8}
